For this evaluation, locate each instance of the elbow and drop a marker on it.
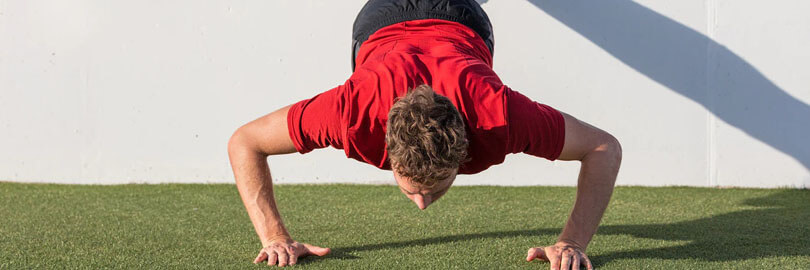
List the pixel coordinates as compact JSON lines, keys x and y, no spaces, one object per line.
{"x":607,"y":153}
{"x":612,"y":158}
{"x":239,"y":144}
{"x":235,"y":143}
{"x":613,"y":149}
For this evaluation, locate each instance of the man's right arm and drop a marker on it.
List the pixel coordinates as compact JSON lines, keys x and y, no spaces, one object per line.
{"x":248,"y":150}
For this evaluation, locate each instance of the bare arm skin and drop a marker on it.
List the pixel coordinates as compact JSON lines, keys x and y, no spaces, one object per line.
{"x":248,"y":150}
{"x":600,"y":154}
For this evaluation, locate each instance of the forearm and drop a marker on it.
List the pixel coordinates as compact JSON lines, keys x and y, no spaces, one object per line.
{"x":597,"y":177}
{"x":256,"y":189}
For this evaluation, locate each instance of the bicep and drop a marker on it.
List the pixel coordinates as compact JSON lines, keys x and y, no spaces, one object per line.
{"x":268,"y":134}
{"x":301,"y":127}
{"x":582,"y":138}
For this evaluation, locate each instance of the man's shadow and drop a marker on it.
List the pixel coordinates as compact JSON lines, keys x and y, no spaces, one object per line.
{"x":692,"y":65}
{"x":776,"y":227}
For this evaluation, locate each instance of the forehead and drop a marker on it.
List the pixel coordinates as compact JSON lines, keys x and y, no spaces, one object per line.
{"x":410,"y":187}
{"x":424,"y":190}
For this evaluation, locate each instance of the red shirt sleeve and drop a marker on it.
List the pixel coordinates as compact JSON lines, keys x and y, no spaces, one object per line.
{"x":535,"y":129}
{"x":316,"y":122}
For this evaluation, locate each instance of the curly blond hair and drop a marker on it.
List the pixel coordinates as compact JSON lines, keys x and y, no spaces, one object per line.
{"x":425,"y":136}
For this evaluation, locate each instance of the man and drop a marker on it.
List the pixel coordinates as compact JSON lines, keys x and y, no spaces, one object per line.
{"x":424,"y":102}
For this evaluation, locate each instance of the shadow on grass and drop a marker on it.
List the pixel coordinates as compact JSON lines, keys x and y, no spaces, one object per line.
{"x":778,"y":228}
{"x":345,"y":253}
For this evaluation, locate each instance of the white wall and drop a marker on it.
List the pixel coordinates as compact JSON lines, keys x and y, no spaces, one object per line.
{"x":700,"y":93}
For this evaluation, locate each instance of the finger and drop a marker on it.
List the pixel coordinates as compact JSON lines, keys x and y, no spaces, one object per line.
{"x":293,"y":255}
{"x":272,"y":258}
{"x":565,"y":262}
{"x":587,"y":261}
{"x":537,"y":253}
{"x":282,"y":258}
{"x":531,"y":254}
{"x":262,"y":256}
{"x":554,"y":260}
{"x":575,"y":263}
{"x":316,"y":250}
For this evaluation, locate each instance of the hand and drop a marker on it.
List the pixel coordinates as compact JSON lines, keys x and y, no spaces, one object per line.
{"x":286,"y":252}
{"x":562,"y":256}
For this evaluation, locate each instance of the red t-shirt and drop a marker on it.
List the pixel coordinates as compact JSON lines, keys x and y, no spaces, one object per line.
{"x":452,"y":59}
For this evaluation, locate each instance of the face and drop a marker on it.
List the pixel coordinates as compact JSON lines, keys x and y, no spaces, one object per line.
{"x":423,"y":195}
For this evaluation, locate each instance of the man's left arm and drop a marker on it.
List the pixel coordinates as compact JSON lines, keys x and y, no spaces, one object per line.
{"x":600,"y":155}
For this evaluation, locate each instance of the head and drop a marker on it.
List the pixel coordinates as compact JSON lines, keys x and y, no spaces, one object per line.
{"x":426,"y":143}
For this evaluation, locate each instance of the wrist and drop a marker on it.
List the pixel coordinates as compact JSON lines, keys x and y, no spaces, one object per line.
{"x":562,"y":242}
{"x":282,"y":238}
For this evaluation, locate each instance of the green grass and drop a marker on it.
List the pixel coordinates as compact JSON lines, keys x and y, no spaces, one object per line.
{"x":205,"y":226}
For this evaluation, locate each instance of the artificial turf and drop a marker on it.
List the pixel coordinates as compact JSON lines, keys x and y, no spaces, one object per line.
{"x":368,"y":226}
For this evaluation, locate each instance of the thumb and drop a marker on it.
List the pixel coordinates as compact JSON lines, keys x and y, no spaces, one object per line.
{"x":262,"y":256}
{"x":537,"y":253}
{"x":316,"y":250}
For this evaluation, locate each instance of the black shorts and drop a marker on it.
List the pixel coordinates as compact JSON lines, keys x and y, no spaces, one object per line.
{"x":377,"y":14}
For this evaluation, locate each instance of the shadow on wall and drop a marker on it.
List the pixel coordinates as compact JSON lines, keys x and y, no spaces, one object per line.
{"x":693,"y":65}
